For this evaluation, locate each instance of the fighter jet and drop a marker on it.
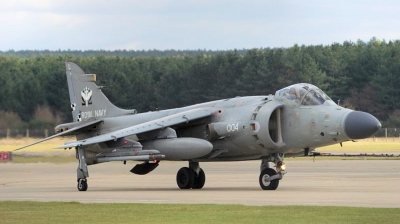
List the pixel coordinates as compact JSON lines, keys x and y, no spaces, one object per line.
{"x":293,"y":122}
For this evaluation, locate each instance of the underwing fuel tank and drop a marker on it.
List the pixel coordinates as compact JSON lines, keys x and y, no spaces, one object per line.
{"x":180,"y":148}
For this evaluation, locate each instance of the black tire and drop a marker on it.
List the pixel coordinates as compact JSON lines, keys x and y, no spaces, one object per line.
{"x":268,"y":185}
{"x":82,"y":185}
{"x":185,"y":178}
{"x":199,"y":180}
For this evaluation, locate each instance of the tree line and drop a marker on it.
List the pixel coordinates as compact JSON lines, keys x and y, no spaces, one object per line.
{"x":361,"y":75}
{"x":120,"y":53}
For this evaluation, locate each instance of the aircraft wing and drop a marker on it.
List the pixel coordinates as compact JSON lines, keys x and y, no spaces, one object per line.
{"x":68,"y":132}
{"x":179,"y":118}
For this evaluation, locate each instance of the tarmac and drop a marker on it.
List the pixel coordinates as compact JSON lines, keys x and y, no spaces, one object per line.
{"x":355,"y":183}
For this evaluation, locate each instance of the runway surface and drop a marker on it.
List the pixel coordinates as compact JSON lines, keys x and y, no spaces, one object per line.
{"x":364,"y":183}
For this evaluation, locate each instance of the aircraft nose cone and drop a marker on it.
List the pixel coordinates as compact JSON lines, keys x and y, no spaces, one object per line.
{"x":358,"y":125}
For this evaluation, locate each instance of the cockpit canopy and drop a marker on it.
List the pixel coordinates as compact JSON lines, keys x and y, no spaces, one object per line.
{"x":304,"y":94}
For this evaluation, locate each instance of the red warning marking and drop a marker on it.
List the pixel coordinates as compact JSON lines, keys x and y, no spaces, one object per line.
{"x":5,"y":156}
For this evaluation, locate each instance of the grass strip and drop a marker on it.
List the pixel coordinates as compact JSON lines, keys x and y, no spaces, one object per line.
{"x":44,"y":159}
{"x":73,"y":212}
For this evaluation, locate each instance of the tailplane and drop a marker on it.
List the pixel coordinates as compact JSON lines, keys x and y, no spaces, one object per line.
{"x":88,"y":102}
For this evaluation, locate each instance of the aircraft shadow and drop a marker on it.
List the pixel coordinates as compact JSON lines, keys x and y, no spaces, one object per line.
{"x":93,"y":189}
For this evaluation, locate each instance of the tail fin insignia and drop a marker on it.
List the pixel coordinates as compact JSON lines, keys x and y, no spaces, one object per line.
{"x":86,"y":96}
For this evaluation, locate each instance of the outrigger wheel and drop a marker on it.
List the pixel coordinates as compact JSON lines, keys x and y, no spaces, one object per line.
{"x":82,"y":184}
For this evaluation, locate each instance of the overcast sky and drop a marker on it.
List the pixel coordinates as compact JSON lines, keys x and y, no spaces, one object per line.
{"x":192,"y":24}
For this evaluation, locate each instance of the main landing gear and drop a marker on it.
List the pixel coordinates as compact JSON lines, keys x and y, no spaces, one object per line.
{"x":82,"y":171}
{"x":269,"y":177}
{"x":191,"y":177}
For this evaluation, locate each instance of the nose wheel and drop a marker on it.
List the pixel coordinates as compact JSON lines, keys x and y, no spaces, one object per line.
{"x":269,"y":177}
{"x":265,"y":182}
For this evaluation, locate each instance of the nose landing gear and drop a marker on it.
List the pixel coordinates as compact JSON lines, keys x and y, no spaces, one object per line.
{"x":269,"y":177}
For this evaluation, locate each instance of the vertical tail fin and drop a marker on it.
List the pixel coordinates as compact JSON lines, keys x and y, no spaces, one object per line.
{"x":87,"y":100}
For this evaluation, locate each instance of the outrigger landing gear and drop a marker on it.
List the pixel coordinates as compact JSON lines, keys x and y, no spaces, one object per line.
{"x":191,"y":177}
{"x":269,"y":177}
{"x":82,"y":171}
{"x":82,"y":184}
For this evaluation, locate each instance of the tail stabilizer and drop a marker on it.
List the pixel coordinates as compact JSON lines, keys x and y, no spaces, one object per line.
{"x":88,"y":102}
